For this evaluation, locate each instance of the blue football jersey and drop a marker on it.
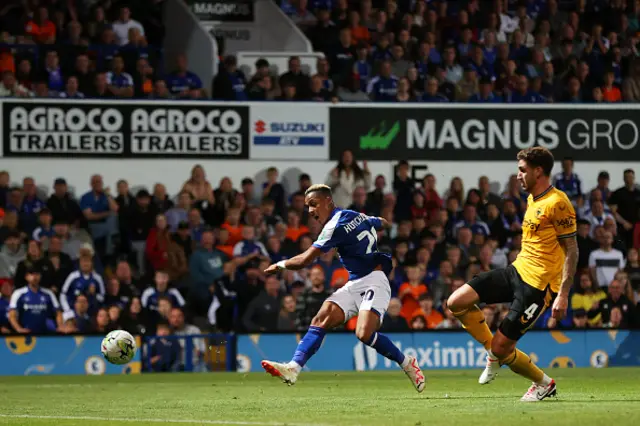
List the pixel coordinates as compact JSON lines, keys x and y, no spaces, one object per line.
{"x":354,"y":235}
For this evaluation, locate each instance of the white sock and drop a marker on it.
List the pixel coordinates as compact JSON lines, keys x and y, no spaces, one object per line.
{"x":491,"y":355}
{"x":545,"y":381}
{"x":295,"y":366}
{"x":405,"y":362}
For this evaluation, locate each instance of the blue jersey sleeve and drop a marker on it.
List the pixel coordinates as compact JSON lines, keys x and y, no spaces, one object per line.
{"x":331,"y":235}
{"x":86,"y":202}
{"x":375,"y":222}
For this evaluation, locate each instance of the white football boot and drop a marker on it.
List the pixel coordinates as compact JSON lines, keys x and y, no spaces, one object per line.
{"x":286,"y":372}
{"x":539,"y":392}
{"x":490,"y":371}
{"x":414,"y":373}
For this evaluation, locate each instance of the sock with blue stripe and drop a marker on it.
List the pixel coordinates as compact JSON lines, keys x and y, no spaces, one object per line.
{"x":309,"y":345}
{"x":386,"y":348}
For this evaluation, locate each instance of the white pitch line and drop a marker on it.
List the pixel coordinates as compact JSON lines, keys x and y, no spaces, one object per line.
{"x":132,"y":420}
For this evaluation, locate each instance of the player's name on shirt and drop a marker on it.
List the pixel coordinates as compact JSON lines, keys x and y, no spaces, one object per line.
{"x":351,"y":226}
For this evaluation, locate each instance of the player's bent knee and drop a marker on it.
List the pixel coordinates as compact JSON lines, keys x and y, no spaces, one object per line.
{"x":463,"y":298}
{"x":364,"y":334}
{"x":501,"y":347}
{"x":329,"y":316}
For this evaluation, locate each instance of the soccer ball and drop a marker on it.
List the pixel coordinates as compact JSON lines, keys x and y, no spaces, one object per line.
{"x":118,"y":347}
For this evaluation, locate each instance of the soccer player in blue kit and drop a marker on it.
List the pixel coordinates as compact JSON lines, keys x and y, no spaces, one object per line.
{"x":367,"y":293}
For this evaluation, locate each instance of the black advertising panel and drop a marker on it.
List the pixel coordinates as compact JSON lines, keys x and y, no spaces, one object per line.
{"x":223,"y":10}
{"x":484,"y":134}
{"x":125,"y":130}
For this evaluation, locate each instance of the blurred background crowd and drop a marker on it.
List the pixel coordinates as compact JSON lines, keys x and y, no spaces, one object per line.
{"x":530,"y":51}
{"x":139,"y":258}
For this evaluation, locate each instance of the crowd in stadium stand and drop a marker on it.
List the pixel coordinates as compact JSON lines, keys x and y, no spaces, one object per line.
{"x":146,"y":261}
{"x":533,"y":51}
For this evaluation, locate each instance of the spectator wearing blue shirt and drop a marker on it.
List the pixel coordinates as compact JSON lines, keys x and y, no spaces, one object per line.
{"x":384,"y":87}
{"x":517,"y":50}
{"x":616,"y":64}
{"x":465,"y":46}
{"x":424,"y":64}
{"x":489,"y":50}
{"x":485,"y":93}
{"x":431,"y":93}
{"x":362,"y":67}
{"x":323,"y":67}
{"x":522,"y":94}
{"x":164,"y":354}
{"x":33,"y":309}
{"x":574,"y":92}
{"x":180,"y":212}
{"x":196,"y":225}
{"x":80,"y":314}
{"x":536,"y":67}
{"x":52,"y":73}
{"x":108,"y":46}
{"x":83,"y":281}
{"x":381,"y":51}
{"x":453,"y":70}
{"x":119,"y":82}
{"x":470,"y":220}
{"x":183,"y":83}
{"x":567,"y":181}
{"x":248,"y":245}
{"x":99,"y":208}
{"x":478,"y":63}
{"x":45,"y":229}
{"x":6,"y":289}
{"x":160,"y":289}
{"x":71,"y":89}
{"x":31,"y":206}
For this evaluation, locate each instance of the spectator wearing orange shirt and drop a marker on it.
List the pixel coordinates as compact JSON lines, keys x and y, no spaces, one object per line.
{"x":610,"y":93}
{"x":359,"y":33}
{"x":223,"y":242}
{"x":339,"y":277}
{"x":232,"y":224}
{"x":41,"y":28}
{"x":410,"y":291}
{"x":432,"y":316}
{"x":294,"y":228}
{"x":7,"y":62}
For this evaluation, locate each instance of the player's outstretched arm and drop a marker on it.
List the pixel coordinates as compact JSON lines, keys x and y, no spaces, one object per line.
{"x":570,"y":247}
{"x":295,"y":263}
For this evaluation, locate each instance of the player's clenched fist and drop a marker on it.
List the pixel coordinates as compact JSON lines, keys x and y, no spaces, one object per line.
{"x":560,"y":307}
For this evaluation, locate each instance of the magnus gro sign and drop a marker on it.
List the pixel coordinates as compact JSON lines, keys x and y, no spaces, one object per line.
{"x":127,"y":130}
{"x":223,"y":10}
{"x":477,"y":133}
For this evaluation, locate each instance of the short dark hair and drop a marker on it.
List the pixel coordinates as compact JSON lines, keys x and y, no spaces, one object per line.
{"x":629,"y":171}
{"x":538,"y":157}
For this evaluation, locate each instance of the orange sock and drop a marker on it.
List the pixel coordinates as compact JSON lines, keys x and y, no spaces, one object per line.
{"x":473,"y":321}
{"x":521,"y":364}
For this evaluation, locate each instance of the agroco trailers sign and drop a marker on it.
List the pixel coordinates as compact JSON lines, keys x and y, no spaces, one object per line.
{"x":126,"y":130}
{"x":468,"y":133}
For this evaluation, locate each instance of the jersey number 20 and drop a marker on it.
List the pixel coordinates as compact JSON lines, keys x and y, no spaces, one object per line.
{"x":371,"y":235}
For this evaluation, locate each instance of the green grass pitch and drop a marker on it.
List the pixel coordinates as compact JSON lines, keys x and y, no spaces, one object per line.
{"x":585,"y":397}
